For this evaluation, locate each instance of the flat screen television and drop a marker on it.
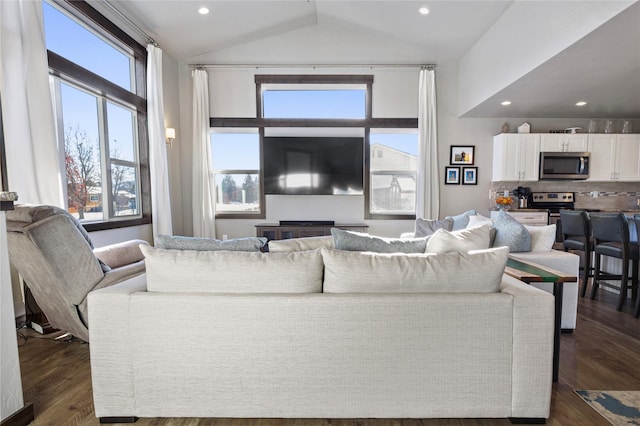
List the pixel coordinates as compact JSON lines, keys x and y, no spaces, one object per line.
{"x":313,"y":165}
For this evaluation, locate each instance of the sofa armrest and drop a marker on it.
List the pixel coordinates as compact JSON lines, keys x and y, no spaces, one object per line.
{"x":533,"y":325}
{"x":110,"y":348}
{"x":120,"y":254}
{"x":121,"y":274}
{"x":568,"y":263}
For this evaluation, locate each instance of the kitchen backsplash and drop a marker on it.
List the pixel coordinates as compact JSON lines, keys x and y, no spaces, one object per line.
{"x":589,"y":195}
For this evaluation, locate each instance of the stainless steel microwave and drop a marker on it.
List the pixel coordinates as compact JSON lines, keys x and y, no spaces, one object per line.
{"x":564,"y":165}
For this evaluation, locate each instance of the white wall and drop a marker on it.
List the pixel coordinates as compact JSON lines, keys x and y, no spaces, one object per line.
{"x":523,"y":38}
{"x":181,"y":174}
{"x":11,"y":399}
{"x":117,"y":235}
{"x":170,"y":87}
{"x":232,"y":94}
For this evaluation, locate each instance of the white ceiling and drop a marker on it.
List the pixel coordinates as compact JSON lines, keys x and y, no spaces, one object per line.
{"x":602,"y":68}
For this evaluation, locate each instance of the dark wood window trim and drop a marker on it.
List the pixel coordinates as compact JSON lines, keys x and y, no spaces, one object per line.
{"x":313,"y":79}
{"x":375,"y":123}
{"x":4,"y":180}
{"x":366,"y":123}
{"x":62,"y":67}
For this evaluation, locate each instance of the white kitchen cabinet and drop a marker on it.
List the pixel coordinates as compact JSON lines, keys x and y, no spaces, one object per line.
{"x":614,"y":157}
{"x":516,"y":157}
{"x":564,"y":142}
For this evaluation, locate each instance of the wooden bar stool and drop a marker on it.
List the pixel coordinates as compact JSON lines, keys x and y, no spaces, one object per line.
{"x":611,"y":238}
{"x":576,"y":236}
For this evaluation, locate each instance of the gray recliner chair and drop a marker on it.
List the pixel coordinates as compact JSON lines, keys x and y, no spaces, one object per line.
{"x":54,"y":255}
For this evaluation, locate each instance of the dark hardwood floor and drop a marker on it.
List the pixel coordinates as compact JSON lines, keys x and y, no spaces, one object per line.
{"x":602,"y":354}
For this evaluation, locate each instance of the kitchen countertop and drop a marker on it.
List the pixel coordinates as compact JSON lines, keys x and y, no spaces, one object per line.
{"x":522,"y":210}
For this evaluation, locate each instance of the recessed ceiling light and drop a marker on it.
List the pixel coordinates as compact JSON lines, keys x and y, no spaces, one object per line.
{"x":203,"y":10}
{"x":505,"y":103}
{"x":424,"y":10}
{"x":581,"y":103}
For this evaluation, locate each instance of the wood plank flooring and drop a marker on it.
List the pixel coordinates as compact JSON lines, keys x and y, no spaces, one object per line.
{"x":602,"y":354}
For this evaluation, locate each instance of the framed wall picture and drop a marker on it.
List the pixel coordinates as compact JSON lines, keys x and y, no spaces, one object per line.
{"x":469,"y":175}
{"x":462,"y":154}
{"x":452,"y":175}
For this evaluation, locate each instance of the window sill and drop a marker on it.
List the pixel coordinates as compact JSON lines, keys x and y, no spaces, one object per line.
{"x":240,"y":216}
{"x":115,"y":224}
{"x":380,"y":216}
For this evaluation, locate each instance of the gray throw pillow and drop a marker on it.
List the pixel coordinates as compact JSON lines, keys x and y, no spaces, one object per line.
{"x":511,"y":233}
{"x":356,"y":241}
{"x":426,"y":227}
{"x":462,"y":220}
{"x":209,"y":244}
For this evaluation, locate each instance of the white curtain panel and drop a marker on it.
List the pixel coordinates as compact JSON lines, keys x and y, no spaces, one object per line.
{"x":203,"y":203}
{"x":33,"y":160}
{"x":159,"y":170}
{"x":428,"y":188}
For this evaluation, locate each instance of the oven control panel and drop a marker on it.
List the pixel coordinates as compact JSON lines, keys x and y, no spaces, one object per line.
{"x":552,"y":197}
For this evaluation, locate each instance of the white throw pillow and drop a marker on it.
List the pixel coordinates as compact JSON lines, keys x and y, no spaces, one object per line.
{"x":194,"y":271}
{"x":301,"y":244}
{"x":542,"y":237}
{"x":463,"y":240}
{"x":358,"y":272}
{"x":478,"y":220}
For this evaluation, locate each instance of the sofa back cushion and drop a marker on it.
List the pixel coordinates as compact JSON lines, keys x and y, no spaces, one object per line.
{"x":180,"y":242}
{"x":232,"y":271}
{"x":357,"y":241}
{"x":473,"y":272}
{"x":426,"y":227}
{"x":461,"y":220}
{"x":301,"y":244}
{"x":461,"y":241}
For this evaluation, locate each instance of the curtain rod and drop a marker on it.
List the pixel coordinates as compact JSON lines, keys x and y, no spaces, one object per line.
{"x":314,"y":66}
{"x":129,"y":22}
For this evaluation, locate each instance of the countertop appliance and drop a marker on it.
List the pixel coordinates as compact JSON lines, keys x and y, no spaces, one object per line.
{"x":564,"y":165}
{"x":524,"y":196}
{"x":554,"y":202}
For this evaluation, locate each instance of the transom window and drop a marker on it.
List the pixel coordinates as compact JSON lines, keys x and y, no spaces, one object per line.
{"x":303,"y":102}
{"x":78,"y":43}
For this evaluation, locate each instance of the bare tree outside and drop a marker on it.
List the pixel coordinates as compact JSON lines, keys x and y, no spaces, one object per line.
{"x":82,"y":168}
{"x":118,"y":175}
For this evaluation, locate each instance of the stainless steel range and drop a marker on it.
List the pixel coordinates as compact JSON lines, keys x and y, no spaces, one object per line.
{"x":554,"y":202}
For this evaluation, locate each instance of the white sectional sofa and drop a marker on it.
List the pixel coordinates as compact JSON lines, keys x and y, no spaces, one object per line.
{"x":540,"y":243}
{"x":321,"y":334}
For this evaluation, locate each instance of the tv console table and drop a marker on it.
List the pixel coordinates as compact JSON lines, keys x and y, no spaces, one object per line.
{"x":274,"y":231}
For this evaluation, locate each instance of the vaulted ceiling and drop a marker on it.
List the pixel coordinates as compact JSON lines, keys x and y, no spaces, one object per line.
{"x":603,"y":67}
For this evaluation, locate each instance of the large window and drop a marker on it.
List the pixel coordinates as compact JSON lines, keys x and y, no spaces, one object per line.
{"x":97,"y":74}
{"x":301,"y":105}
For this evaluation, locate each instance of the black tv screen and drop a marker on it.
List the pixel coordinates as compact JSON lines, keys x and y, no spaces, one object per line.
{"x":313,"y":165}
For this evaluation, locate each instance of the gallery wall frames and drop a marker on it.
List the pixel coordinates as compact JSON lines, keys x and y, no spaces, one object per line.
{"x":462,"y":155}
